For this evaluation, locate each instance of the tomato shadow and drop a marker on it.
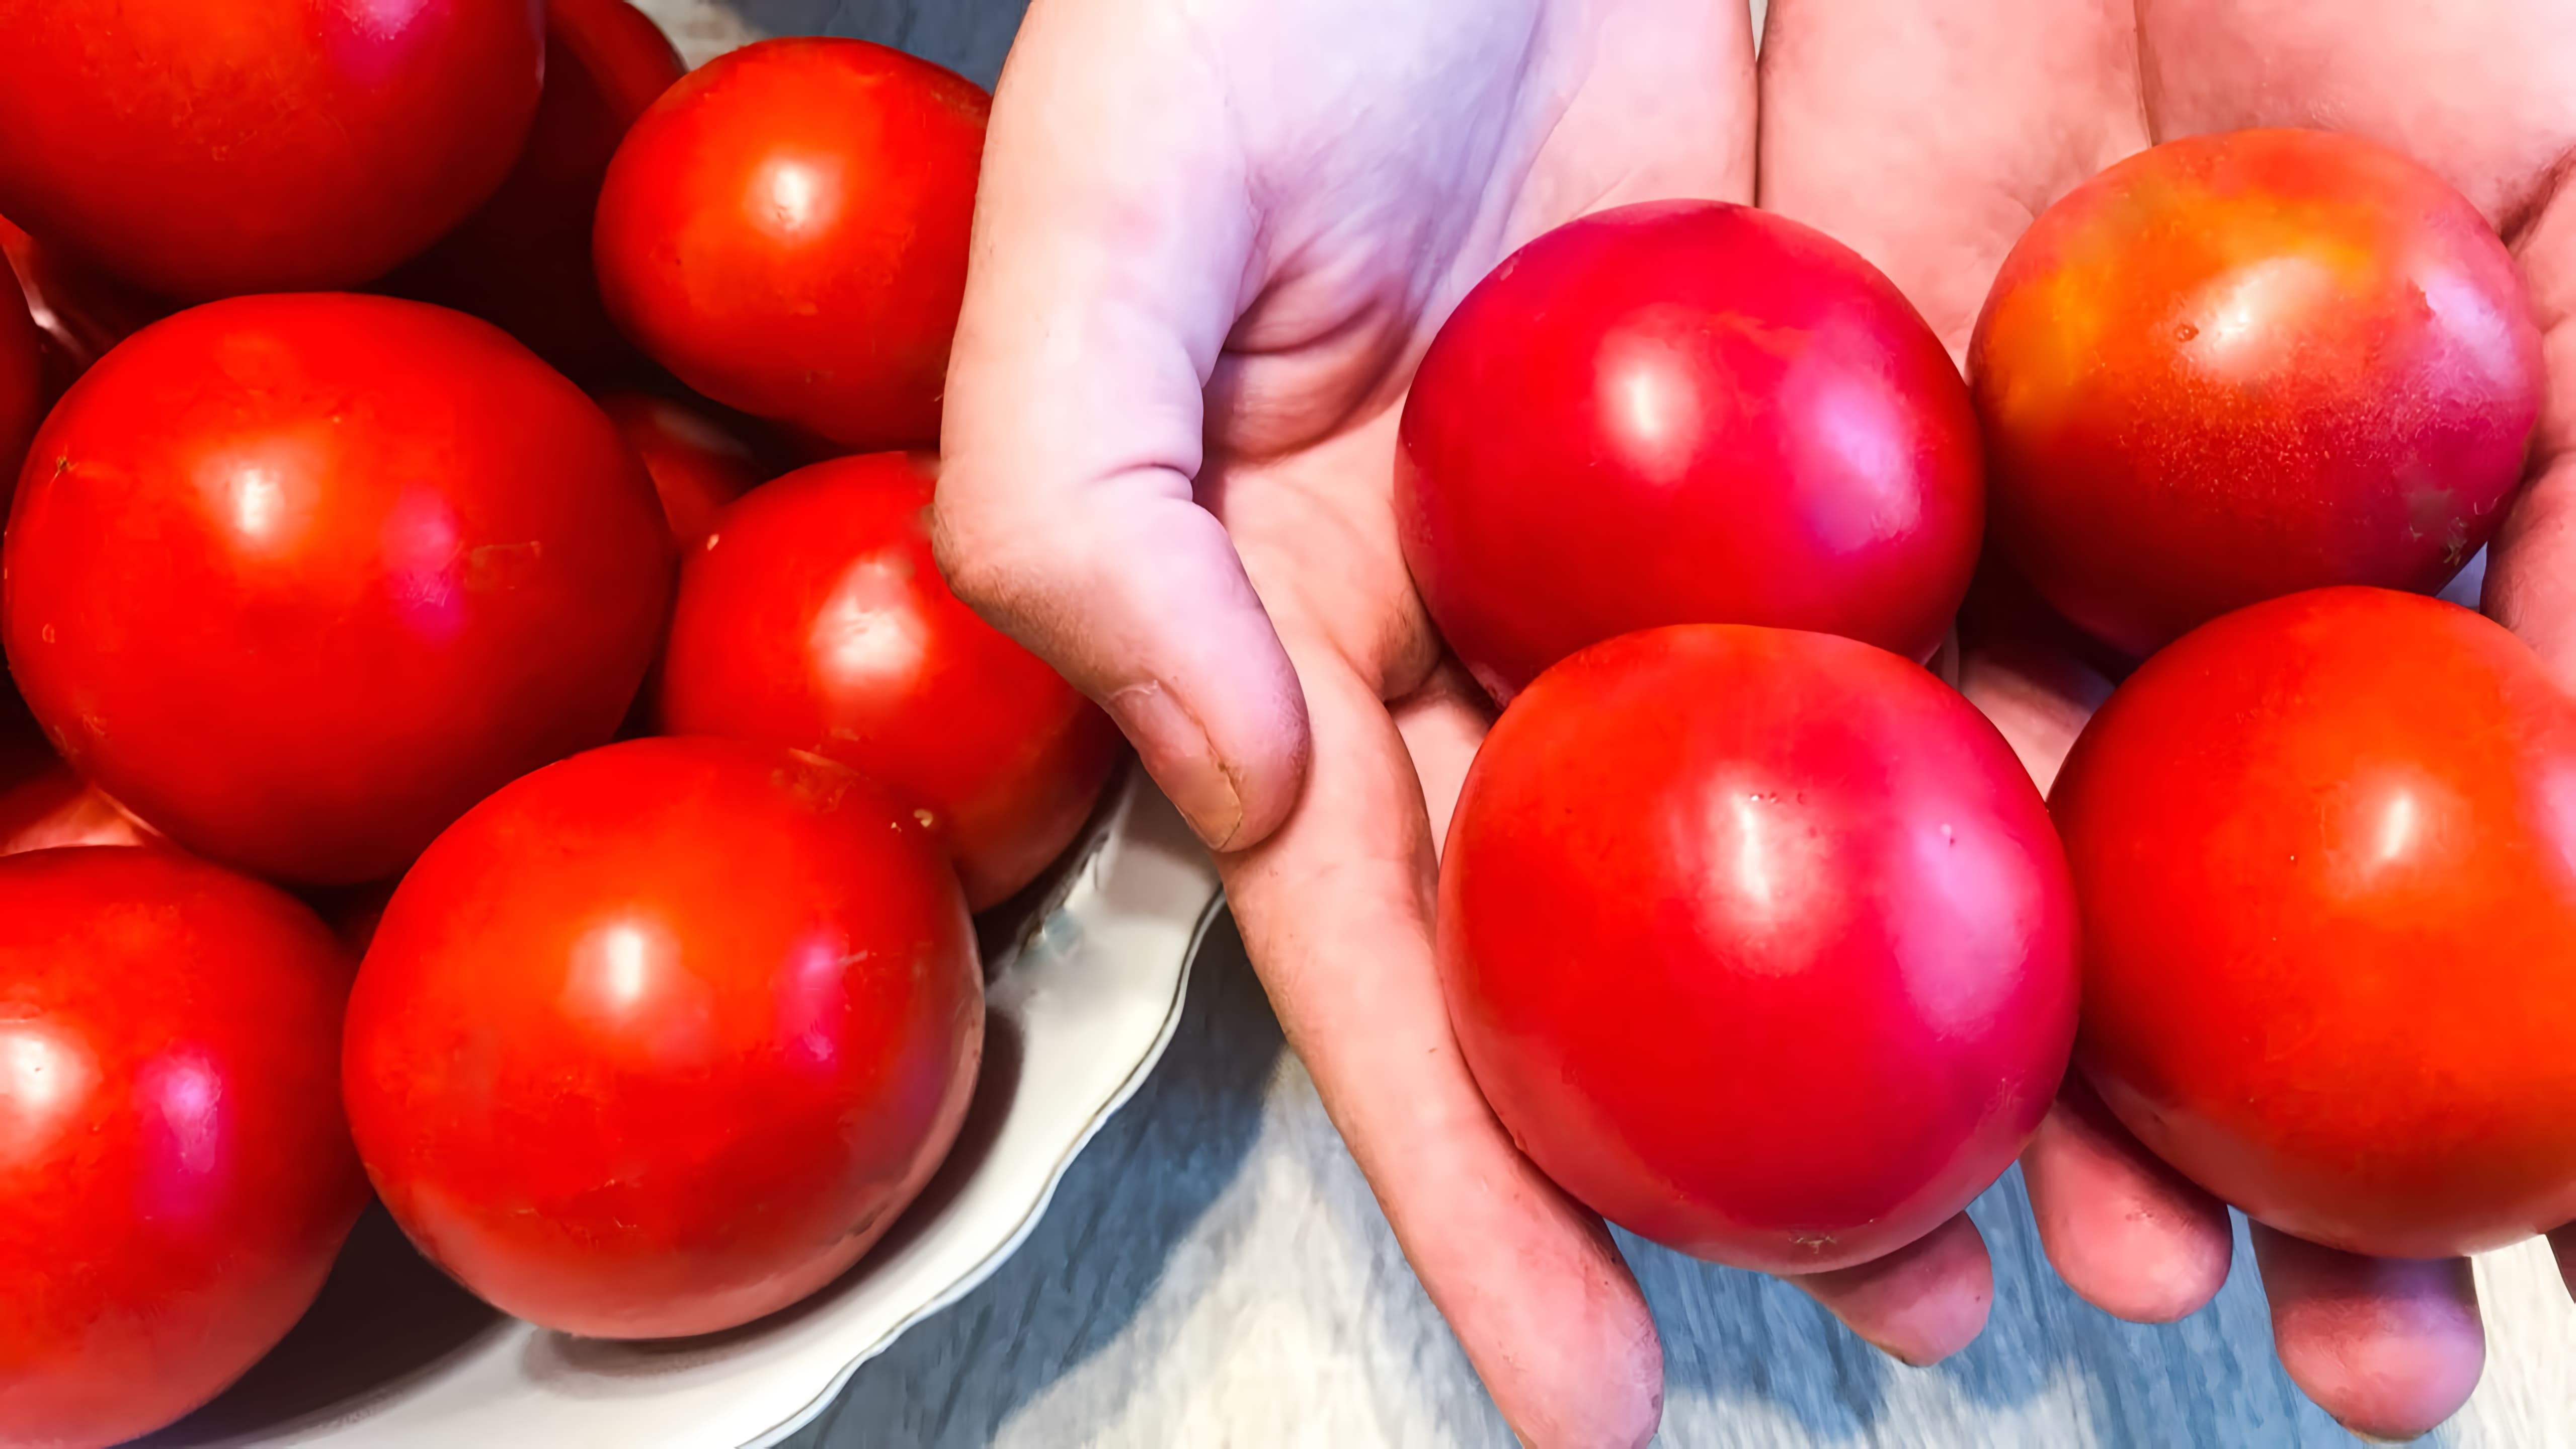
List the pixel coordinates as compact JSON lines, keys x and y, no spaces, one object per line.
{"x":385,"y":1317}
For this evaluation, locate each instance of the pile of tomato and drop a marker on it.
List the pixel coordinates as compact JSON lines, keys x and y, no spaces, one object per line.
{"x":444,"y":757}
{"x":1762,"y":941}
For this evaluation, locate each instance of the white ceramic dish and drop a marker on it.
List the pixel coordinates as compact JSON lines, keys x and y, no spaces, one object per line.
{"x":1084,"y":997}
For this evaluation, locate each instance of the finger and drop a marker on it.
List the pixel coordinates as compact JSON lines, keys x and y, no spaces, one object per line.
{"x":1113,"y":231}
{"x":2130,"y":1235}
{"x":2531,"y":562}
{"x":2389,"y":1346}
{"x":1336,"y":908}
{"x":1443,"y":723}
{"x":1919,"y":1304}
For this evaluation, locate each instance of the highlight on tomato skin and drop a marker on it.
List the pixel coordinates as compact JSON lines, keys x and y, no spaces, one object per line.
{"x":815,"y":617}
{"x":180,"y":1176}
{"x":662,"y":1038}
{"x":2238,"y":366}
{"x":303,"y":577}
{"x":211,"y":148}
{"x":2327,"y":864}
{"x":1685,"y":412}
{"x":1759,"y":942}
{"x":786,"y":230}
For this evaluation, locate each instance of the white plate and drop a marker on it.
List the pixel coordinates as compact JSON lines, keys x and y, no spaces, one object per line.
{"x":1083,"y":1001}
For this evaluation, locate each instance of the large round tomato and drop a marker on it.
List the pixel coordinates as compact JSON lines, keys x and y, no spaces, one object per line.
{"x":661,"y":1038}
{"x":208,"y":147}
{"x":815,"y":617}
{"x":523,"y":261}
{"x":2237,"y":366}
{"x":785,"y":230}
{"x":22,"y":381}
{"x":697,"y":467}
{"x":2326,"y":848}
{"x":1759,"y":942}
{"x":300,"y":578}
{"x":1685,"y":412}
{"x":175,"y":1175}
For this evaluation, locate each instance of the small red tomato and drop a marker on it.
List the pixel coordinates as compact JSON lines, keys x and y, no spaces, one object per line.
{"x":300,"y":578}
{"x":523,"y":261}
{"x":202,"y":148}
{"x":22,"y":382}
{"x":815,"y":617}
{"x":1685,"y":412}
{"x":785,"y":230}
{"x":1759,"y":942}
{"x":175,"y":1174}
{"x":2326,"y":848}
{"x":661,"y":1039}
{"x":2237,"y":366}
{"x":697,"y":466}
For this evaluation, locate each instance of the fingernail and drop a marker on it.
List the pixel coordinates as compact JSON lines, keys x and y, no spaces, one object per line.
{"x":1176,"y":752}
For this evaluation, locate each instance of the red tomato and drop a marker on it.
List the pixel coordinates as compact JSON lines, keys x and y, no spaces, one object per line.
{"x":697,"y":466}
{"x":785,"y":230}
{"x":523,"y":261}
{"x":815,"y":617}
{"x":175,"y":1175}
{"x":2237,"y":366}
{"x":662,"y":1038}
{"x":203,"y":148}
{"x":22,"y":383}
{"x":1685,"y":412}
{"x":301,"y":578}
{"x":81,"y":311}
{"x":2326,"y":848}
{"x":1759,"y":942}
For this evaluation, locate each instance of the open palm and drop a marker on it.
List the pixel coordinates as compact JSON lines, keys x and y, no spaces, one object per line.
{"x":1928,"y":135}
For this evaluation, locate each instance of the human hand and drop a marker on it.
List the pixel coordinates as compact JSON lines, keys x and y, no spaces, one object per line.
{"x":1928,"y":136}
{"x":1213,"y":241}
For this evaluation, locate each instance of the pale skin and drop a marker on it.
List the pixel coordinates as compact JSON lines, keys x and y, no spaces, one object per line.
{"x":1212,"y":240}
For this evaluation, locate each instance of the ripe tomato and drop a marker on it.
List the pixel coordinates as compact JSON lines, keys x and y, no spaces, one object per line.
{"x":300,"y":578}
{"x":523,"y":261}
{"x":2326,"y":848}
{"x":697,"y":467}
{"x":815,"y":617}
{"x":175,"y":1175}
{"x":203,"y":148}
{"x":2237,"y":366}
{"x":785,"y":230}
{"x":662,"y":1038}
{"x":1759,"y":942}
{"x":22,"y":382}
{"x":1685,"y":412}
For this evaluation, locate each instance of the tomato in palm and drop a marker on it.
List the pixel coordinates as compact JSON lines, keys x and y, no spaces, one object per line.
{"x":22,"y":382}
{"x":1685,"y":412}
{"x":2326,"y":848}
{"x":175,"y":1174}
{"x":660,"y":1039}
{"x":203,"y":148}
{"x":1758,"y":941}
{"x":697,"y":467}
{"x":523,"y":261}
{"x":300,"y":578}
{"x":816,"y":617}
{"x":785,"y":230}
{"x":2237,"y":366}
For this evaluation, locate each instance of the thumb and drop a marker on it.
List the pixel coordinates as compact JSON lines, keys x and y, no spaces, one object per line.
{"x":1113,"y":237}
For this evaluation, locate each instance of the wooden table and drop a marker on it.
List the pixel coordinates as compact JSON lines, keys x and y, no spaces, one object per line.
{"x":1214,"y":1272}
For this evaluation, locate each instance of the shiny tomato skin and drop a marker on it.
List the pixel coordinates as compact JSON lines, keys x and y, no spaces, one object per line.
{"x":815,"y":617}
{"x":207,"y":148}
{"x":522,"y":262}
{"x":300,"y":578}
{"x":662,"y":1038}
{"x":1758,"y":941}
{"x":1685,"y":412}
{"x":178,"y":1176}
{"x":785,"y":230}
{"x":696,"y":465}
{"x":22,"y":382}
{"x":2326,"y":848}
{"x":2238,"y":366}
